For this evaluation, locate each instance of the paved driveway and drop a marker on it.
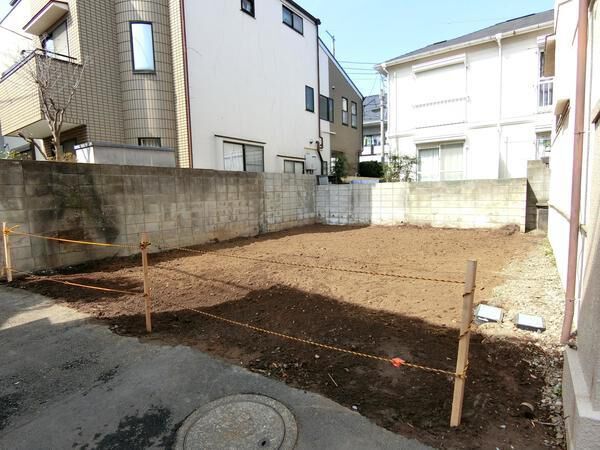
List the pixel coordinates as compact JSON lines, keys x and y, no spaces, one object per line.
{"x":66,"y":382}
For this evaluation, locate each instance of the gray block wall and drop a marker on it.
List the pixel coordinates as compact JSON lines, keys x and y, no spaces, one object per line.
{"x":538,"y":192}
{"x":114,"y":204}
{"x":453,"y":204}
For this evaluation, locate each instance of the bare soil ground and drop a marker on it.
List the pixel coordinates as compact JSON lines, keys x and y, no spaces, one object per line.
{"x":416,"y":320}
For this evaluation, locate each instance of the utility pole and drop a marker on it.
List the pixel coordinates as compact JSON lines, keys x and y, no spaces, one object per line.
{"x":333,"y":39}
{"x":382,"y":123}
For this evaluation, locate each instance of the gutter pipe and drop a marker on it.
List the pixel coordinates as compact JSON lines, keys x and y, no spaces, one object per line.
{"x":582,"y":39}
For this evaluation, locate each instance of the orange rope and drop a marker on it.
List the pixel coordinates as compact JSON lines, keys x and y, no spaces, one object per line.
{"x":71,"y":241}
{"x":309,"y":266}
{"x":70,"y":283}
{"x":396,"y":362}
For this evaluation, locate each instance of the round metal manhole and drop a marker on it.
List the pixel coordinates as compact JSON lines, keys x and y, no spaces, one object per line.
{"x":239,"y":422}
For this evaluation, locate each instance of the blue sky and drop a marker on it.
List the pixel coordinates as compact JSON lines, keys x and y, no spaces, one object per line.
{"x":371,"y":31}
{"x":378,"y":30}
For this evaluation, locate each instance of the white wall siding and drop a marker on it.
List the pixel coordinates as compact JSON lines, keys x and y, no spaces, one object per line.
{"x":472,"y":96}
{"x":247,"y":78}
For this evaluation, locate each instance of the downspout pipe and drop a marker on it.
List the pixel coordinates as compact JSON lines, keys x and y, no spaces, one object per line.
{"x":582,"y":40}
{"x":318,"y":101}
{"x":382,"y":115}
{"x":498,"y":38}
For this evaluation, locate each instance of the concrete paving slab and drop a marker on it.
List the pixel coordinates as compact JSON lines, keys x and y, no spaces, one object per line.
{"x":67,"y":382}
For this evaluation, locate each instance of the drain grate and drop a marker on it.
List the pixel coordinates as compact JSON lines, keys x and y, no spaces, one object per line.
{"x":239,"y":422}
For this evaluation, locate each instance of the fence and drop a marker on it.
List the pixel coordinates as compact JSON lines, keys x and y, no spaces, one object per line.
{"x":456,"y":204}
{"x":462,"y":362}
{"x":114,"y":204}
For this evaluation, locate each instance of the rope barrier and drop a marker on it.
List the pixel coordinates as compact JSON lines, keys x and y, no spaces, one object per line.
{"x":70,"y":283}
{"x":309,"y":266}
{"x":396,"y":362}
{"x":71,"y":241}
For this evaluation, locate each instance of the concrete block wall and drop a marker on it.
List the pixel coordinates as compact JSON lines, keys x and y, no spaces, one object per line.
{"x":538,"y":192}
{"x":454,"y":204}
{"x":114,"y":204}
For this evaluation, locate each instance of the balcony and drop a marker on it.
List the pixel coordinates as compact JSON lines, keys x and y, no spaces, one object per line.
{"x":545,"y":94}
{"x":445,"y":112}
{"x":20,"y":98}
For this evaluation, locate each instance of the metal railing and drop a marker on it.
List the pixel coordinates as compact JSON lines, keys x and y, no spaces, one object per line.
{"x":28,"y":55}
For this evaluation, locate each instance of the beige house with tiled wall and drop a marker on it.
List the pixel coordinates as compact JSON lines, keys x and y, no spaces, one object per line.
{"x":347,"y":125}
{"x":229,"y":85}
{"x":116,"y":106}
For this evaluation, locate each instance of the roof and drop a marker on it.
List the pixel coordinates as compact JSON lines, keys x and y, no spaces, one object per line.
{"x":339,"y":67}
{"x":511,"y":25}
{"x":372,"y":109}
{"x":303,"y":11}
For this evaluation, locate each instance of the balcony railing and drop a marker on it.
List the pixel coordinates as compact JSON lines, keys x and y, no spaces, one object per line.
{"x":28,"y":55}
{"x":545,"y":93}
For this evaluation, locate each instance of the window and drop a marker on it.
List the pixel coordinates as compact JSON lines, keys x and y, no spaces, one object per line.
{"x":248,"y":7}
{"x":326,"y":108}
{"x":69,"y":146}
{"x":149,"y":142}
{"x":293,"y":20}
{"x":243,"y":157}
{"x":443,"y":162}
{"x":543,"y":144}
{"x":309,"y":94}
{"x":290,"y":166}
{"x":324,"y":168}
{"x":354,"y":114}
{"x":344,"y":111}
{"x":56,"y":43}
{"x":142,"y":46}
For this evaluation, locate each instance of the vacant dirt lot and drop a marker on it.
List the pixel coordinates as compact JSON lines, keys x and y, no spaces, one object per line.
{"x":416,"y":320}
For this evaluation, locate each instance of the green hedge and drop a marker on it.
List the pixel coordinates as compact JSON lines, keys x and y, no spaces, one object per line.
{"x":371,"y":169}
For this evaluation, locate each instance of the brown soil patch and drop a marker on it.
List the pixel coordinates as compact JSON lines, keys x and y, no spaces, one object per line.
{"x":412,"y":319}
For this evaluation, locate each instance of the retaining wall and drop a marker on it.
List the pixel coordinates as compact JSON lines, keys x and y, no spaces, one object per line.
{"x":114,"y":204}
{"x":455,"y":204}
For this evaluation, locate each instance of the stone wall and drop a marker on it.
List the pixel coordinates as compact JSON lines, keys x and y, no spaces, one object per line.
{"x":454,"y":204}
{"x":114,"y":204}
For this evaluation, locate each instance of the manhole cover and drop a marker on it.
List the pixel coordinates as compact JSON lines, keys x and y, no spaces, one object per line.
{"x":239,"y":422}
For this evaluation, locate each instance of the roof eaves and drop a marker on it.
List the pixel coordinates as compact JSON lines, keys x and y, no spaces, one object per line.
{"x":304,"y":11}
{"x":341,"y":69}
{"x":413,"y":56}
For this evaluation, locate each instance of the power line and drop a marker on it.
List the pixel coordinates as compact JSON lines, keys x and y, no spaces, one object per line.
{"x":359,"y":62}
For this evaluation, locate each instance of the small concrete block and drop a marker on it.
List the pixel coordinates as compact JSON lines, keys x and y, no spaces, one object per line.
{"x":487,"y":314}
{"x":530,"y":322}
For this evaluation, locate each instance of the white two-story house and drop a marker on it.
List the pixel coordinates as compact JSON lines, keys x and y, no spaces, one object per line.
{"x":474,"y":107}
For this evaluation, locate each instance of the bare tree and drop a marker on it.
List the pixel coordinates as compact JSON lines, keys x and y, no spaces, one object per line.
{"x":57,"y":80}
{"x":36,"y":146}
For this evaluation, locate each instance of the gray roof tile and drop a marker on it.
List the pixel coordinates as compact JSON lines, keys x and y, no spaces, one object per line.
{"x":502,"y":27}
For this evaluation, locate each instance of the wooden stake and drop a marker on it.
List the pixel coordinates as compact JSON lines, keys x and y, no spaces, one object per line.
{"x":462,"y":361}
{"x":7,"y":260}
{"x":147,"y":297}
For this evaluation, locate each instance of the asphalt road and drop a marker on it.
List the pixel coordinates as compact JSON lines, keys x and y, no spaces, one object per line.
{"x":69,"y":383}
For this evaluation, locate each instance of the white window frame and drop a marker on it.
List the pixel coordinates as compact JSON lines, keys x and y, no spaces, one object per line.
{"x":243,"y":148}
{"x":439,"y":146}
{"x":294,"y":163}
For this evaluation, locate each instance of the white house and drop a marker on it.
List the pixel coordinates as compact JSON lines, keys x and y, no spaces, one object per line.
{"x":373,"y":150}
{"x":254,"y":85}
{"x":473,"y":107}
{"x":580,"y":273}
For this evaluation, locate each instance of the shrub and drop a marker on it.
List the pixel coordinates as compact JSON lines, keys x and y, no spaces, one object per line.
{"x":340,"y":168}
{"x":371,"y":169}
{"x":400,"y":168}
